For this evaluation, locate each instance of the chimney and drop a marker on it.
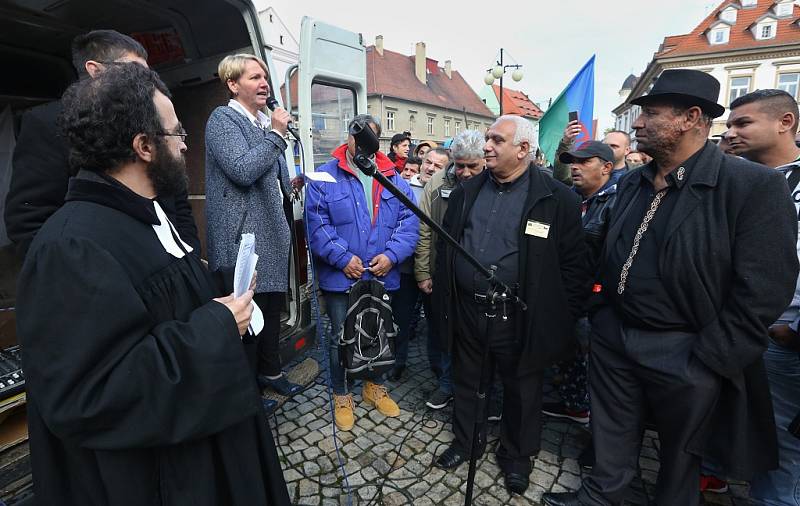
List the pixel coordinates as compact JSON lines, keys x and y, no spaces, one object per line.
{"x":379,"y":44}
{"x":419,"y":63}
{"x":448,"y":69}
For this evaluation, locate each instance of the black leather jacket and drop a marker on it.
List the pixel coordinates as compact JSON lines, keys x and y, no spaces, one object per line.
{"x":595,"y":221}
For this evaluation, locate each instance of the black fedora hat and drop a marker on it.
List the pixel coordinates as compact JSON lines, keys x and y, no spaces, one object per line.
{"x":689,"y":87}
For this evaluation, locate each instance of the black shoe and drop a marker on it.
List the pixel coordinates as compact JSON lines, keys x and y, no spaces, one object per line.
{"x":439,"y":399}
{"x":559,"y":410}
{"x":269,"y":405}
{"x":561,"y":499}
{"x":516,"y":483}
{"x":281,"y":386}
{"x":397,"y":372}
{"x":586,"y":458}
{"x":450,"y":459}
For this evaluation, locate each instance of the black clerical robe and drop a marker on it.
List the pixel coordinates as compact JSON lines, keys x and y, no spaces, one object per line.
{"x":139,"y":389}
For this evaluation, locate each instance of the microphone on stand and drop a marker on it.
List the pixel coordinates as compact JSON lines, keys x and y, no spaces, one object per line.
{"x":272,"y":104}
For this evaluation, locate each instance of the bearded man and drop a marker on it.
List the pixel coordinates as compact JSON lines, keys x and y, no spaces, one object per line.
{"x":699,"y":261}
{"x":139,"y":389}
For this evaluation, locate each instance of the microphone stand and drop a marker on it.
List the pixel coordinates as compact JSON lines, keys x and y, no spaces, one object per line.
{"x":497,"y":293}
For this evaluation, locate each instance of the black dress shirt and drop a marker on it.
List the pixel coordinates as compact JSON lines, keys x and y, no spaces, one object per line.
{"x":645,"y":302}
{"x":491,"y":233}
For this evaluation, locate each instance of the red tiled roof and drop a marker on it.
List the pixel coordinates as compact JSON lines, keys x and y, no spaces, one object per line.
{"x":393,"y":75}
{"x":516,"y":102}
{"x":696,"y":42}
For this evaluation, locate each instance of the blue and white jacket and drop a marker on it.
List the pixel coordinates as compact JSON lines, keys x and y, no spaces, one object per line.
{"x":339,"y":224}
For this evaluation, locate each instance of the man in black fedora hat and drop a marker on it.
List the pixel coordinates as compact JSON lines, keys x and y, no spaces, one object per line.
{"x":699,"y":260}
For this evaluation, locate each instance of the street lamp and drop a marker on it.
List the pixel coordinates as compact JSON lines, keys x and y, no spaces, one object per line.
{"x":497,"y":72}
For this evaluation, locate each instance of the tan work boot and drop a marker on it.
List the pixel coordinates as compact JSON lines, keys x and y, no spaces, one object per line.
{"x":343,"y":411}
{"x":378,"y":397}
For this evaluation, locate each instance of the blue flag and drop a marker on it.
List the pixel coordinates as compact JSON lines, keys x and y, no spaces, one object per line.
{"x":577,"y":96}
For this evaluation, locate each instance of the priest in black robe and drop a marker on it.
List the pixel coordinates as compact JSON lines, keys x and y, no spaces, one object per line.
{"x":139,"y":390}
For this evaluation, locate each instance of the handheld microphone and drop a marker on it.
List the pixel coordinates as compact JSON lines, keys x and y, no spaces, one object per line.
{"x":272,"y":104}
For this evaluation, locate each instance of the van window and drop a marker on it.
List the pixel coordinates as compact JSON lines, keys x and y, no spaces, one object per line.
{"x":332,"y":108}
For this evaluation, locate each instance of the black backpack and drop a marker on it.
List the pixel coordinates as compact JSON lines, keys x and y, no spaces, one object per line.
{"x":366,"y":344}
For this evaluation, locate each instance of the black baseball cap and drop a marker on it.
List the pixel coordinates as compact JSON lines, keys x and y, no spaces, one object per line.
{"x":588,"y":149}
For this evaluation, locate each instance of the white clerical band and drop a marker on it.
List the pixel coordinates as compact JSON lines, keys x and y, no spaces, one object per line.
{"x":166,"y":234}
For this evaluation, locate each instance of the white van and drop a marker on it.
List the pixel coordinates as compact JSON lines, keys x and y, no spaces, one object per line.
{"x":185,"y":40}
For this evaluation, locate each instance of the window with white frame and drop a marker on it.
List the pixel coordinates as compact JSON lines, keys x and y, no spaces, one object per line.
{"x":430,"y":125}
{"x":739,"y":86}
{"x":412,"y":123}
{"x":784,"y":9}
{"x":447,"y":128}
{"x":390,"y":121}
{"x":766,"y":31}
{"x":458,"y":127}
{"x":720,"y":35}
{"x":790,"y":83}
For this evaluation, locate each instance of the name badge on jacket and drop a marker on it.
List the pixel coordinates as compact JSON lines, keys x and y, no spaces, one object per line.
{"x":537,"y":229}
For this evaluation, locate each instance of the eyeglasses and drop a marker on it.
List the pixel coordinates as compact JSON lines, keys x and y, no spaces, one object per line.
{"x":182,"y":135}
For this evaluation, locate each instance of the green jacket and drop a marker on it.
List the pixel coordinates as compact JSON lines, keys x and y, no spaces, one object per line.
{"x":433,"y":203}
{"x":561,"y":171}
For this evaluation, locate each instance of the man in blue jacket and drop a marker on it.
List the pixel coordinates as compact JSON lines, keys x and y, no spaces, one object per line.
{"x":357,"y":230}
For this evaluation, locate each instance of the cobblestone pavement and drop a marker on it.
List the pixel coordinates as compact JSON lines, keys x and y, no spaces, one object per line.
{"x":388,"y":461}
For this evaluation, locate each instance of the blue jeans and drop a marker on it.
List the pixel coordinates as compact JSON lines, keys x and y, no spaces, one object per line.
{"x":438,"y":356}
{"x":781,"y":487}
{"x":337,"y":304}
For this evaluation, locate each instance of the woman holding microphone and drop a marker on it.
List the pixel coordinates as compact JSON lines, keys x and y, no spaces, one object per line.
{"x":247,"y":191}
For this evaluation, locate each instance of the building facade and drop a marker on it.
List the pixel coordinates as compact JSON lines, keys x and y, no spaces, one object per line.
{"x":414,"y":94}
{"x":746,"y":45}
{"x":285,"y":49}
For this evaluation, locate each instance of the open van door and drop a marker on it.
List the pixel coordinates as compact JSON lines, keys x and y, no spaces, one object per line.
{"x":331,"y":88}
{"x":325,"y":89}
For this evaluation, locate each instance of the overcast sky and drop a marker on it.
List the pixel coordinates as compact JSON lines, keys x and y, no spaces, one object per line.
{"x":552,"y":40}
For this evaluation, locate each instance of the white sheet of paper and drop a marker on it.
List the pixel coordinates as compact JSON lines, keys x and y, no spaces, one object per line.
{"x":256,"y":320}
{"x":322,"y":177}
{"x":245,"y":264}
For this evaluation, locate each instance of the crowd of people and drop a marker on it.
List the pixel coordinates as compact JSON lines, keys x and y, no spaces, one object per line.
{"x":661,"y":285}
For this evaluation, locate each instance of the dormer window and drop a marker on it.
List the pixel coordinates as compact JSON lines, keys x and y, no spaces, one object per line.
{"x":765,"y":28}
{"x":728,"y":14}
{"x":720,"y":35}
{"x":784,"y":9}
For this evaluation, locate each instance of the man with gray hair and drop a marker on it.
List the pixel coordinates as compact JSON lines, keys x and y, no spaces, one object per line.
{"x":527,"y":226}
{"x":467,"y":151}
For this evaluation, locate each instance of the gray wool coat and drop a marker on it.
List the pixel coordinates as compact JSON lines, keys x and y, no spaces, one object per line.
{"x":247,"y":184}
